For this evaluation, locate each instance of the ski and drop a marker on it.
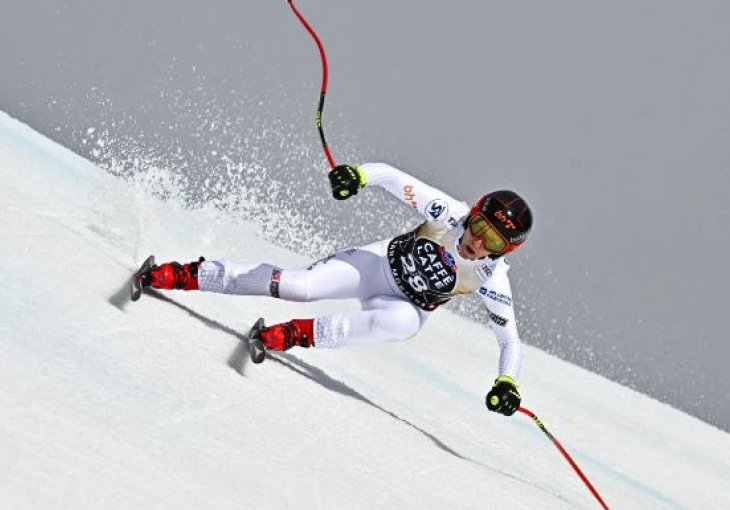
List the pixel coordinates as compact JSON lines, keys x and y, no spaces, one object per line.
{"x":136,"y":283}
{"x":255,"y":346}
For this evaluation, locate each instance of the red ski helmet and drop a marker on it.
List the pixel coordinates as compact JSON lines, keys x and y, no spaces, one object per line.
{"x":502,"y":219}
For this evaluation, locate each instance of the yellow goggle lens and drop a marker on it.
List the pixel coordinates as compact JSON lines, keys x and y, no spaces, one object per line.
{"x":492,"y":239}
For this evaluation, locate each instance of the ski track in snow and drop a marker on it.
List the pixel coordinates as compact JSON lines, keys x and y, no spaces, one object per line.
{"x":148,"y":395}
{"x":318,"y":376}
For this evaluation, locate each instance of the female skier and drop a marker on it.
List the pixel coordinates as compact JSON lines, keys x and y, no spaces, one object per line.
{"x":400,"y":281}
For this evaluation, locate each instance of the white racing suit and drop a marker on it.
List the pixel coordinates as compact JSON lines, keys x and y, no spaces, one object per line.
{"x":400,"y":281}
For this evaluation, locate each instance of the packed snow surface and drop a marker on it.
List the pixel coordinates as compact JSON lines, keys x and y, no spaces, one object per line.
{"x":118,"y":405}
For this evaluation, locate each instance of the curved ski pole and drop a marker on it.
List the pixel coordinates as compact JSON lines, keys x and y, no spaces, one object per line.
{"x":325,"y":73}
{"x":565,"y":454}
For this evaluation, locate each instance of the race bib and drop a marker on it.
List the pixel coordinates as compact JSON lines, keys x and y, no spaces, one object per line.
{"x":423,"y":269}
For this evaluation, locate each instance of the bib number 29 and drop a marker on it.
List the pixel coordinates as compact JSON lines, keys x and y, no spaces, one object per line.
{"x":415,"y":280}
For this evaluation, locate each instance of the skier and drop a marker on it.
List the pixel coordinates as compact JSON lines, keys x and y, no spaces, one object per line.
{"x":400,"y":281}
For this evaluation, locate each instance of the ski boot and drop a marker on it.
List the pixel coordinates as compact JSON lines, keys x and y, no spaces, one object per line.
{"x":279,"y":337}
{"x":168,"y":276}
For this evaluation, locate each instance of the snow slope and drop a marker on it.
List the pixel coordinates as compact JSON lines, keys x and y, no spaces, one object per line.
{"x":109,"y":404}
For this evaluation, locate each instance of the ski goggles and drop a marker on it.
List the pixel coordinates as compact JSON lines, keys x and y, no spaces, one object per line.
{"x":481,"y":227}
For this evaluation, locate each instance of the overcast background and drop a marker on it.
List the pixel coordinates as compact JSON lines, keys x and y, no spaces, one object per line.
{"x":612,"y":118}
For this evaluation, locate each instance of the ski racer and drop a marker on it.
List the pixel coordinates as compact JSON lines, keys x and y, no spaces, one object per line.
{"x":400,"y":281}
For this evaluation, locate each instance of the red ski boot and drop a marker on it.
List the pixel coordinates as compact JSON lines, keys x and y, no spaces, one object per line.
{"x":173,"y":275}
{"x":282,"y":337}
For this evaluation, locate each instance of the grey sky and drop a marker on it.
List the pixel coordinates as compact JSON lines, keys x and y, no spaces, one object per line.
{"x":612,"y":118}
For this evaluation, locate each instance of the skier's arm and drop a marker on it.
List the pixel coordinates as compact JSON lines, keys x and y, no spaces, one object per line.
{"x":434,"y":205}
{"x":497,"y":295}
{"x":504,"y":397}
{"x":431,"y":203}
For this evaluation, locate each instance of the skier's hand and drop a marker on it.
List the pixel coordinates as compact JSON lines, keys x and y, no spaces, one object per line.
{"x":346,"y":180}
{"x":503,"y":397}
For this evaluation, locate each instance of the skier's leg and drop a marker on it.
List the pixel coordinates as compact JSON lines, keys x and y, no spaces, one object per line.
{"x":354,"y":273}
{"x":383,"y":319}
{"x":229,"y":277}
{"x":223,"y":276}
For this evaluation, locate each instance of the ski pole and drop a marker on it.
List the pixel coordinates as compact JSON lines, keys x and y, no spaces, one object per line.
{"x":565,"y":454}
{"x":325,"y":73}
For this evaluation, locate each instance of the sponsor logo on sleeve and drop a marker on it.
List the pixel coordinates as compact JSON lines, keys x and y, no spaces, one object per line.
{"x":496,"y":296}
{"x":484,"y":272}
{"x":497,"y":319}
{"x":410,"y":196}
{"x":437,"y":209}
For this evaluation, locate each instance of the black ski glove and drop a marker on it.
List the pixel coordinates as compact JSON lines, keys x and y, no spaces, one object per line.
{"x":503,"y":397}
{"x":346,"y":180}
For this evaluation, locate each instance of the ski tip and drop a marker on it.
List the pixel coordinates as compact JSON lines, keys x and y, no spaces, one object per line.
{"x":255,"y":346}
{"x":135,"y":284}
{"x":135,"y":290}
{"x":257,"y":350}
{"x":148,"y":262}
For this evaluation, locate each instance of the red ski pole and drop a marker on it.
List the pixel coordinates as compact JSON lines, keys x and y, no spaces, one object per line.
{"x":565,"y":454}
{"x":323,"y":56}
